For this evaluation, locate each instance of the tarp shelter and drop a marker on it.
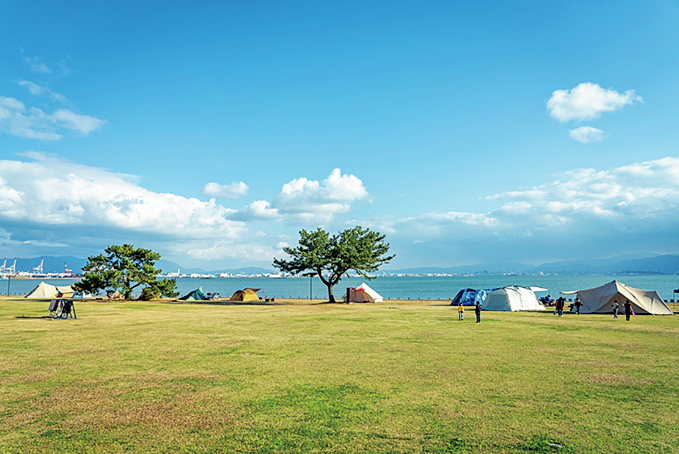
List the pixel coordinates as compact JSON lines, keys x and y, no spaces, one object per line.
{"x":599,"y":300}
{"x":363,"y":294}
{"x":512,"y":298}
{"x":65,"y":291}
{"x":196,"y":295}
{"x":469,"y":296}
{"x":247,"y":294}
{"x":43,"y":291}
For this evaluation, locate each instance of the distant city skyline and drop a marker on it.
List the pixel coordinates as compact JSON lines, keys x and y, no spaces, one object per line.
{"x":467,"y":133}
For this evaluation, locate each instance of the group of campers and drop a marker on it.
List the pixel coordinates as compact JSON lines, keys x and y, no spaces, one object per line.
{"x":599,"y":300}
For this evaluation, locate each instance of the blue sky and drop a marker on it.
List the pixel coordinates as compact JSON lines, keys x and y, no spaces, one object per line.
{"x":467,"y":132}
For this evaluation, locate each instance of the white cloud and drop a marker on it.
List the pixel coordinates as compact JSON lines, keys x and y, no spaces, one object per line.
{"x":231,"y":191}
{"x":587,"y":101}
{"x":259,"y":210}
{"x":52,"y":192}
{"x":307,"y":199}
{"x":222,"y":249}
{"x":75,"y":122}
{"x":33,"y":123}
{"x":38,"y":90}
{"x":628,"y":208}
{"x":37,"y":66}
{"x":587,"y":134}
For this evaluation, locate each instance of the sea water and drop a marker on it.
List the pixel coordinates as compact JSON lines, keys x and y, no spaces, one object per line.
{"x":406,"y":287}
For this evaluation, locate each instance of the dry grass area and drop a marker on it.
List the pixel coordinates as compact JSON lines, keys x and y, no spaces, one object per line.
{"x":300,"y":376}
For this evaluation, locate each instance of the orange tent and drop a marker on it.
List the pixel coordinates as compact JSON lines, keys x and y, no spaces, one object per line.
{"x":248,"y":294}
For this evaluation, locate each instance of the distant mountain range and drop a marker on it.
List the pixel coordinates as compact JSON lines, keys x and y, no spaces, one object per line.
{"x":661,"y":264}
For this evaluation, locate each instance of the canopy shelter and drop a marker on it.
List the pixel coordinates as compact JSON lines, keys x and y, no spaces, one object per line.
{"x":65,"y":291}
{"x":196,"y":295}
{"x":469,"y":296}
{"x":512,"y":298}
{"x":247,"y":294}
{"x":599,"y":300}
{"x":44,"y":291}
{"x":362,"y":294}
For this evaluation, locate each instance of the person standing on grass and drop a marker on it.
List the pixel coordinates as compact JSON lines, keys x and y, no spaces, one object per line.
{"x":460,"y":311}
{"x":559,"y":305}
{"x":477,"y":309}
{"x":628,"y":309}
{"x":578,"y":305}
{"x":616,"y":308}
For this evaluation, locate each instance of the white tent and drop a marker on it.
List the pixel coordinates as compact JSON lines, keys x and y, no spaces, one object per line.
{"x":512,"y":298}
{"x":43,"y":291}
{"x":363,"y":294}
{"x":598,"y":300}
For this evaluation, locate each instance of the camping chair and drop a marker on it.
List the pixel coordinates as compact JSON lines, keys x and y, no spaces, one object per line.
{"x":69,"y":308}
{"x":54,"y":305}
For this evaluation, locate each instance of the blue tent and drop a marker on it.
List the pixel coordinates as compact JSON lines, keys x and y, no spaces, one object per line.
{"x":469,"y":296}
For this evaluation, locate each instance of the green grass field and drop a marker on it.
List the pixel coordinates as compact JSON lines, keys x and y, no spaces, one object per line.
{"x":392,"y":377}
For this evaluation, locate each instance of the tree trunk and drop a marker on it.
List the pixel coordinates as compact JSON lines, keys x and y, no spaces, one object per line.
{"x":331,"y":297}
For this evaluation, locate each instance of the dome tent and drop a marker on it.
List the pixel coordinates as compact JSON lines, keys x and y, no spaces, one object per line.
{"x":196,"y":295}
{"x":469,"y":296}
{"x":247,"y":294}
{"x":513,"y":298}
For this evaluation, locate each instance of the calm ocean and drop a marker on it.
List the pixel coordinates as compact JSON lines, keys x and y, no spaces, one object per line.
{"x":394,"y":287}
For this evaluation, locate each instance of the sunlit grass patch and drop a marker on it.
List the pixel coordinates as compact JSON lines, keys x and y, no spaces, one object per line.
{"x":392,"y":377}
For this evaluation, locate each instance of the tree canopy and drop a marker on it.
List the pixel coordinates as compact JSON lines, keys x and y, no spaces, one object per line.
{"x":122,"y":269}
{"x":331,"y":257}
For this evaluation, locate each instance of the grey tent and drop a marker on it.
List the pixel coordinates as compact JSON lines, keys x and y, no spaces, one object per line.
{"x":598,"y":300}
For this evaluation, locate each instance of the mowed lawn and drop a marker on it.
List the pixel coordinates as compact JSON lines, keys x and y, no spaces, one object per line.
{"x":391,"y":377}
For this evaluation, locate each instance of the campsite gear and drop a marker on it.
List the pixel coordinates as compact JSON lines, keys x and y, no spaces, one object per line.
{"x":247,"y":294}
{"x":599,"y":300}
{"x":62,"y":309}
{"x":54,"y":304}
{"x":513,"y":298}
{"x":469,"y":296}
{"x":362,"y":294}
{"x":196,"y":295}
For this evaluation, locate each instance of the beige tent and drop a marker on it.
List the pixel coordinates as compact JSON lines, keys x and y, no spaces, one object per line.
{"x":248,"y":294}
{"x":43,"y":291}
{"x":512,"y":298}
{"x":363,"y":294}
{"x":598,"y":300}
{"x":65,"y":291}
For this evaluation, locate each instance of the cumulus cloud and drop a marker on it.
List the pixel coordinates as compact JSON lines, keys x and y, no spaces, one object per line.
{"x":587,"y":101}
{"x":230,"y":191}
{"x":33,"y":123}
{"x":587,"y":134}
{"x":308,"y":199}
{"x":51,"y":192}
{"x":624,"y":208}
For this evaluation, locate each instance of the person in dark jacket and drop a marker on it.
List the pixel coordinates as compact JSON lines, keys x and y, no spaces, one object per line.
{"x":477,"y":309}
{"x":628,"y":309}
{"x":578,"y":305}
